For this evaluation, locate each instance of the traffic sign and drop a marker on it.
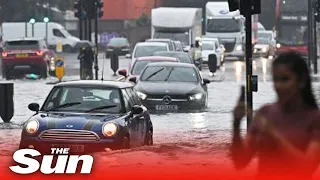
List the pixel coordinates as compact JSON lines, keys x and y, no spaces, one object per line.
{"x":59,"y":68}
{"x":59,"y":46}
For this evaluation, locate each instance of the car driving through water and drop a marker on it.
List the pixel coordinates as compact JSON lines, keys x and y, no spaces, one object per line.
{"x":172,"y":87}
{"x":88,"y":116}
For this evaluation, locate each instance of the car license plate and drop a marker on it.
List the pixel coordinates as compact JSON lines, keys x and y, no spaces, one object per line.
{"x":72,"y":148}
{"x":166,"y":107}
{"x":22,"y":55}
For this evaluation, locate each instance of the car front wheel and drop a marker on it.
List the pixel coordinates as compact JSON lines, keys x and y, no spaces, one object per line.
{"x":149,"y":138}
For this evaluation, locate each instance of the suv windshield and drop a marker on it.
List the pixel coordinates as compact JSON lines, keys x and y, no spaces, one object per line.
{"x":84,"y":99}
{"x":118,"y":42}
{"x":143,"y":51}
{"x":22,"y":45}
{"x":223,"y":25}
{"x":208,"y":46}
{"x":169,"y":73}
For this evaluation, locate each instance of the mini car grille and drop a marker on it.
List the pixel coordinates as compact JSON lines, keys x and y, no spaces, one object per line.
{"x":73,"y":135}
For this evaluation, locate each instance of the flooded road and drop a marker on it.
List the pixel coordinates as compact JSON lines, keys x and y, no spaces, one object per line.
{"x":188,"y":138}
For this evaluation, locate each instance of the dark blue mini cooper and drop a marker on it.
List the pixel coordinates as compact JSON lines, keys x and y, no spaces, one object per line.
{"x":88,"y":116}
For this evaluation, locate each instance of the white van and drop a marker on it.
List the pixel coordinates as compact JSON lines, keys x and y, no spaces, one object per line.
{"x":56,"y":32}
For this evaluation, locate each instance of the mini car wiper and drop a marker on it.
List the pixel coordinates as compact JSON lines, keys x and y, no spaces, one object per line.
{"x":63,"y":106}
{"x":153,"y":74}
{"x":101,"y":107}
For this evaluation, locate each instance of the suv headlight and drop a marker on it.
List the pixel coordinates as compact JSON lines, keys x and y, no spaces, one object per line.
{"x":264,"y":49}
{"x":196,"y":97}
{"x":109,"y":129}
{"x":32,"y":126}
{"x":239,"y":48}
{"x":142,"y":95}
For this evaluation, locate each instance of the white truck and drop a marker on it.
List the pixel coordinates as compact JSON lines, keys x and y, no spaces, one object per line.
{"x":180,"y":24}
{"x":229,"y":28}
{"x":56,"y":33}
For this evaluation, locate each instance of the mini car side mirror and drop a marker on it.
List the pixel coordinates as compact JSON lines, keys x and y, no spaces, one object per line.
{"x":133,"y":79}
{"x":136,"y":109}
{"x":123,"y":72}
{"x":34,"y":107}
{"x":206,"y":81}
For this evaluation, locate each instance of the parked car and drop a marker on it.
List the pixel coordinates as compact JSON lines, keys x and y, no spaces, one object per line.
{"x":220,"y":49}
{"x":88,"y":116}
{"x":264,"y":48}
{"x":141,"y":63}
{"x":27,"y":55}
{"x":208,"y":48}
{"x":170,"y":43}
{"x":172,"y":87}
{"x":119,"y":43}
{"x":144,"y":49}
{"x":179,"y":46}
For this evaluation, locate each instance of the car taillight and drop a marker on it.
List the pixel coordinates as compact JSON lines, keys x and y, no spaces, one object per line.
{"x":4,"y":54}
{"x":39,"y":53}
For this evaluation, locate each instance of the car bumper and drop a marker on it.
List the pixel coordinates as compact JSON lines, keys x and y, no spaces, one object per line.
{"x":176,"y":105}
{"x":260,"y":54}
{"x":44,"y":146}
{"x":33,"y":64}
{"x":121,"y":52}
{"x":234,"y":56}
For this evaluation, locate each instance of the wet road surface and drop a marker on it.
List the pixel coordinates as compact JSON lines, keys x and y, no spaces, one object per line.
{"x":192,"y":138}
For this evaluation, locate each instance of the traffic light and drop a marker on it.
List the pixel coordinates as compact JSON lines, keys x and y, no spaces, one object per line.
{"x":243,"y":7}
{"x":32,"y":21}
{"x":46,"y":19}
{"x":317,"y":11}
{"x":80,"y":13}
{"x":99,"y":6}
{"x":90,"y":8}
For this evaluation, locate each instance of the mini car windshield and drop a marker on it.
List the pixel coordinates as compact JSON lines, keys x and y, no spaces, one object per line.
{"x":169,"y":73}
{"x":84,"y":99}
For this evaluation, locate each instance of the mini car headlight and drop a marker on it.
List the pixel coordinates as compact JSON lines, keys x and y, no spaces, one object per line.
{"x":264,"y":49}
{"x":142,"y":95}
{"x":239,"y":48}
{"x":32,"y":126}
{"x":109,"y":129}
{"x":196,"y":96}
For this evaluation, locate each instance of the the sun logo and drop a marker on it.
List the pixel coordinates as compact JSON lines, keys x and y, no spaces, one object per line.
{"x":65,"y":163}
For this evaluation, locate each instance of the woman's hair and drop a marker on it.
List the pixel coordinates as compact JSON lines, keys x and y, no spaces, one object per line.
{"x":298,"y":65}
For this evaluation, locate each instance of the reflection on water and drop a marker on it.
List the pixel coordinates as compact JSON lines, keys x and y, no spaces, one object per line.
{"x":198,"y":121}
{"x":264,"y":69}
{"x":238,"y":65}
{"x":254,"y":66}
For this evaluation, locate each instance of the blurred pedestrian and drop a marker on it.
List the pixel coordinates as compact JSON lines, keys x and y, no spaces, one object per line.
{"x":285,"y":135}
{"x":86,"y":58}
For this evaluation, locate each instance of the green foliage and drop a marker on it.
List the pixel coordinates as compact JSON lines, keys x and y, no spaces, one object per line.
{"x":23,"y":10}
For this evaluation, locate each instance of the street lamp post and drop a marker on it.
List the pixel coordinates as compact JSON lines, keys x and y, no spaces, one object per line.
{"x":46,"y":20}
{"x":32,"y":22}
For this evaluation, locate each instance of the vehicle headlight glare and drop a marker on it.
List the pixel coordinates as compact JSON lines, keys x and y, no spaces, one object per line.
{"x":278,"y":45}
{"x":239,"y":48}
{"x":32,"y":126}
{"x":109,"y":129}
{"x":264,"y":49}
{"x":142,"y":95}
{"x":196,"y":96}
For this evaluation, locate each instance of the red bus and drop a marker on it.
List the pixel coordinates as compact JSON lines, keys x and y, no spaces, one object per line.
{"x":292,"y":26}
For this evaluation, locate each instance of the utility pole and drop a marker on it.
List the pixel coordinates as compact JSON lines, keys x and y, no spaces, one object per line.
{"x":248,"y":25}
{"x":310,"y":33}
{"x":247,"y":9}
{"x":315,"y":38}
